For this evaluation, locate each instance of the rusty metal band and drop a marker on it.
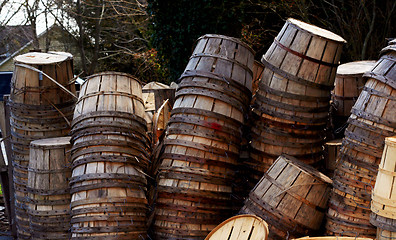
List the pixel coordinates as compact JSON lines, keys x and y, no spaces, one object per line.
{"x":320,"y":128}
{"x":294,"y":195}
{"x":20,"y":184}
{"x":29,"y":118}
{"x":373,"y":118}
{"x":115,"y":229}
{"x":199,"y":208}
{"x":109,"y":143}
{"x":99,"y":150}
{"x":115,"y":236}
{"x":357,"y":228}
{"x":267,"y":89}
{"x":108,"y":176}
{"x":40,"y":108}
{"x":346,"y":209}
{"x":290,"y":144}
{"x":133,"y":219}
{"x":229,"y":90}
{"x":355,"y":172}
{"x":352,"y":182}
{"x":139,"y":204}
{"x":46,"y":171}
{"x":372,"y":128}
{"x":246,"y":68}
{"x":232,"y":39}
{"x":47,"y":192}
{"x":105,"y":158}
{"x":48,"y":213}
{"x":195,"y":192}
{"x":112,"y":114}
{"x":19,"y":167}
{"x":98,"y":186}
{"x":289,"y":107}
{"x":202,"y":147}
{"x":65,"y":201}
{"x":207,"y":113}
{"x":192,"y":198}
{"x":236,"y":132}
{"x":122,"y":128}
{"x":267,"y":110}
{"x":54,"y":227}
{"x":142,"y":140}
{"x":111,"y":93}
{"x":320,"y":62}
{"x":20,"y":177}
{"x":364,"y":149}
{"x":301,"y":157}
{"x":229,"y":81}
{"x":215,"y":95}
{"x":292,"y":225}
{"x":170,"y":233}
{"x":212,"y":135}
{"x":343,"y":187}
{"x":265,"y":127}
{"x":106,"y":209}
{"x":48,"y":127}
{"x":193,"y":177}
{"x":190,"y":220}
{"x":294,"y":78}
{"x":376,"y":142}
{"x":369,"y":166}
{"x":381,"y":78}
{"x":51,"y":114}
{"x":199,"y":160}
{"x":379,"y":93}
{"x":384,"y":223}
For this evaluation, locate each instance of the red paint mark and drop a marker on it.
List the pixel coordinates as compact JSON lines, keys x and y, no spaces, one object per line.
{"x":213,"y":125}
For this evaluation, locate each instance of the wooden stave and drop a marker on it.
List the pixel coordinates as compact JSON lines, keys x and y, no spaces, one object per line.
{"x":383,"y":234}
{"x":272,"y":210}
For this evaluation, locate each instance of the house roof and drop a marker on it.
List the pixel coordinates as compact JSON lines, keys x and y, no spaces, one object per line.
{"x":13,"y":38}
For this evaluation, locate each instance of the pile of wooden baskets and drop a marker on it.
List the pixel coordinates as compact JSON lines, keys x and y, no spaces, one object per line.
{"x":291,"y":197}
{"x":48,"y":189}
{"x":383,"y":204}
{"x":110,"y":155}
{"x":372,"y":119}
{"x":292,"y":103}
{"x":41,"y":103}
{"x":348,"y":84}
{"x":202,"y":144}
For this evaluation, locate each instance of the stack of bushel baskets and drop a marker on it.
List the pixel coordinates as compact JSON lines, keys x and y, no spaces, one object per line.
{"x":40,"y":108}
{"x":110,"y":154}
{"x":202,"y":145}
{"x":290,"y":108}
{"x":372,"y":119}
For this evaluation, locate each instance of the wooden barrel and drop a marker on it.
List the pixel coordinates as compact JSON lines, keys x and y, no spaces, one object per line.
{"x":203,"y":139}
{"x":109,"y":156}
{"x":291,"y":197}
{"x":371,"y":121}
{"x":241,"y":227}
{"x":348,"y":84}
{"x":48,"y":203}
{"x":40,"y":108}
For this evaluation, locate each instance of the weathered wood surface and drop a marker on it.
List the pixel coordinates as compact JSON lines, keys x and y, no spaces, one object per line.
{"x":41,"y":106}
{"x":110,"y":155}
{"x":240,"y":227}
{"x":48,"y":204}
{"x":372,"y":119}
{"x":291,"y":197}
{"x":203,"y":139}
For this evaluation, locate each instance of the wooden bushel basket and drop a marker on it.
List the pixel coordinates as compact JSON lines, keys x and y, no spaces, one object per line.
{"x":203,"y":139}
{"x":109,"y":156}
{"x":48,"y":188}
{"x":291,"y":197}
{"x":41,"y":103}
{"x":240,"y":227}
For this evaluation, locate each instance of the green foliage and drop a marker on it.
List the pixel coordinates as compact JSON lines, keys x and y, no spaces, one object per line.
{"x":176,"y":25}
